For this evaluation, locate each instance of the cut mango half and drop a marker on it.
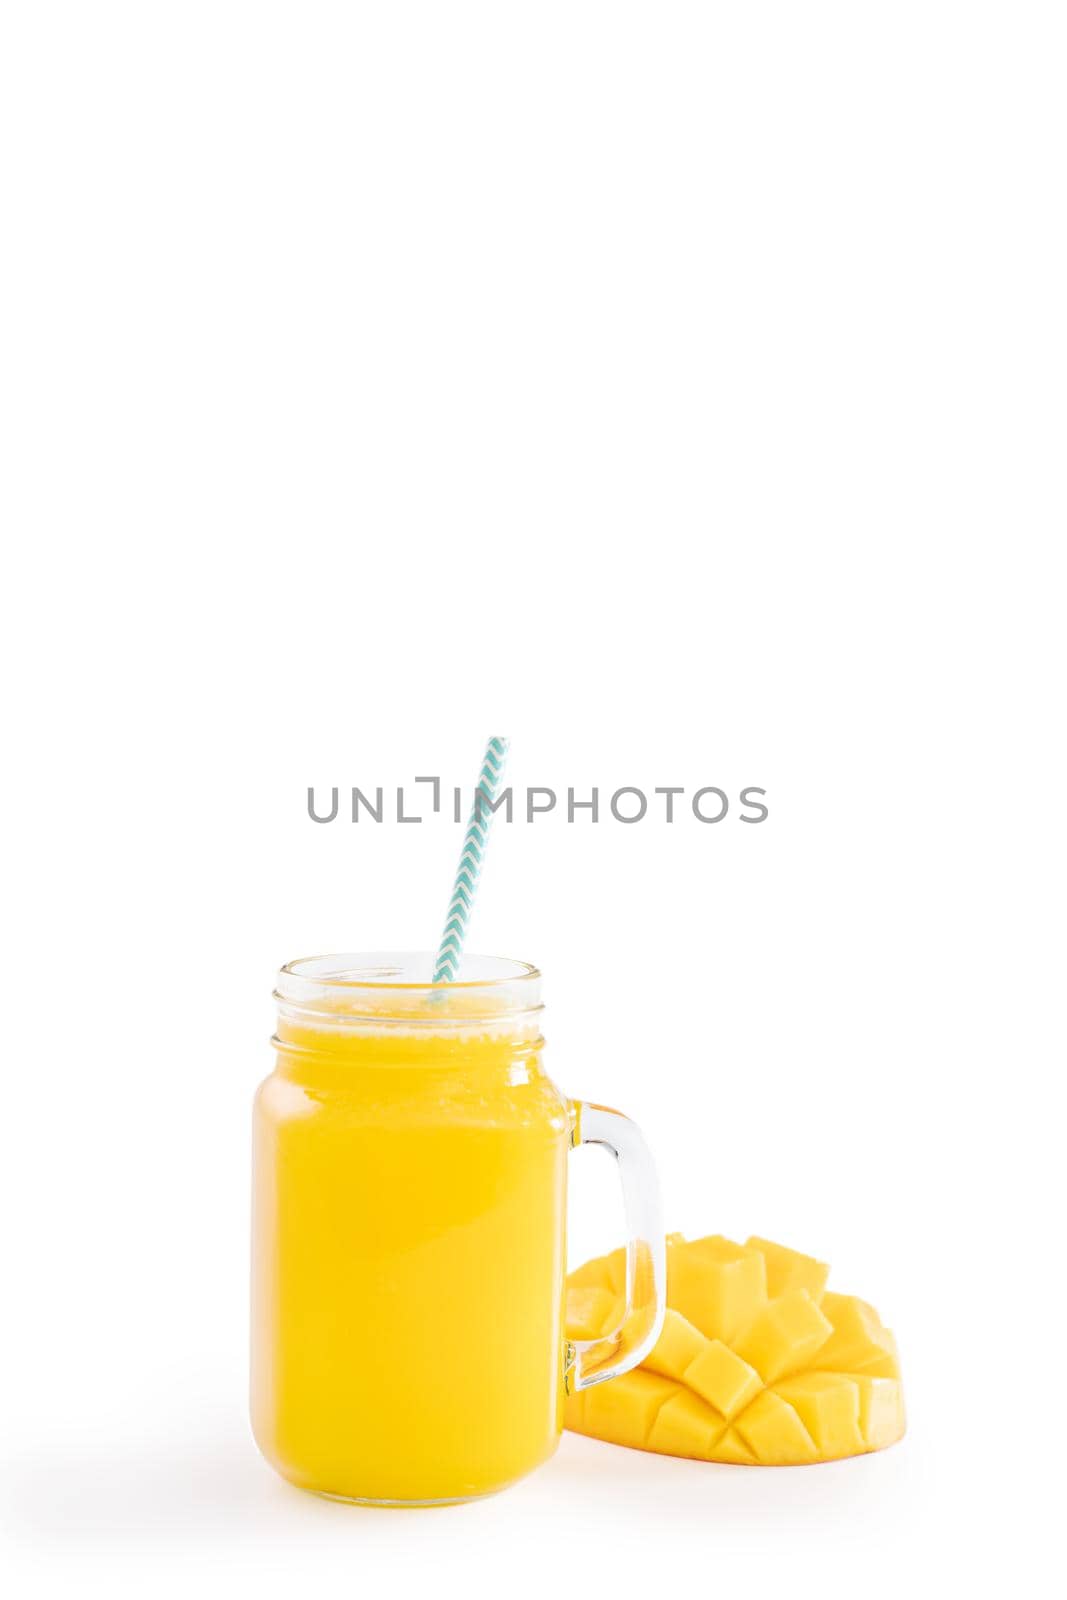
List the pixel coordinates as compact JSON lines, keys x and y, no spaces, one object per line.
{"x":757,"y":1363}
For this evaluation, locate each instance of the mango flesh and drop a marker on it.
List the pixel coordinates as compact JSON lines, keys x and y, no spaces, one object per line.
{"x":758,"y":1364}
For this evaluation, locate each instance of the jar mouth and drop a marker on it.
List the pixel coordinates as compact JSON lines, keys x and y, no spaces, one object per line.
{"x":385,"y":988}
{"x":406,"y":970}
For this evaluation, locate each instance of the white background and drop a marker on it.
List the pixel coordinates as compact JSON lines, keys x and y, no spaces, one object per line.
{"x":676,"y":388}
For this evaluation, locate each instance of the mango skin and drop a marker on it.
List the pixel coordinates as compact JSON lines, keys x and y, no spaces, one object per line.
{"x":757,"y":1364}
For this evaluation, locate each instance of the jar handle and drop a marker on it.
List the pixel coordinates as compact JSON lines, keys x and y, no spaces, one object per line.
{"x":590,"y":1361}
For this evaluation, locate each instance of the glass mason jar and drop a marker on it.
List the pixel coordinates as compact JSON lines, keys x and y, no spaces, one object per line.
{"x":409,"y":1226}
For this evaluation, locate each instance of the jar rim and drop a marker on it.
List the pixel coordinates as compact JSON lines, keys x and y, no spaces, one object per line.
{"x":395,"y":970}
{"x":372,"y":991}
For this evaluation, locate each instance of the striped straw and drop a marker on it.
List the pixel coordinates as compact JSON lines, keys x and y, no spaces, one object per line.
{"x":475,"y":840}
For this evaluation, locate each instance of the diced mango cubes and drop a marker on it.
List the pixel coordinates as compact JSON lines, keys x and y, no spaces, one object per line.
{"x":591,"y":1312}
{"x":785,"y":1336}
{"x":788,"y":1269}
{"x":720,"y":1376}
{"x":828,"y":1404}
{"x":717,"y":1285}
{"x":678,"y":1345}
{"x":757,"y":1363}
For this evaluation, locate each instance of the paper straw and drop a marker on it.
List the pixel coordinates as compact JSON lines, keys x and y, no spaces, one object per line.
{"x":475,"y":840}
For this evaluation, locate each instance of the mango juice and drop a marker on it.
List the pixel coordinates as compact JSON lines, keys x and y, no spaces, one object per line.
{"x":409,"y":1244}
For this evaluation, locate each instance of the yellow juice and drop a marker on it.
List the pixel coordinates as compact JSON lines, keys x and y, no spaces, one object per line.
{"x":409,"y":1250}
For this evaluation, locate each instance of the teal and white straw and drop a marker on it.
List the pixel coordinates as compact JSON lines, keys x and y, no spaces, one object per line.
{"x":475,"y":840}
